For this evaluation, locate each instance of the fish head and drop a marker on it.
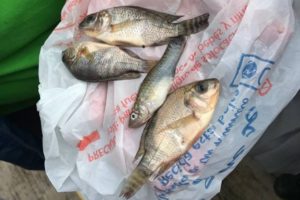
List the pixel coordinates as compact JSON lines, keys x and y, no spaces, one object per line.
{"x":69,"y":56}
{"x":96,"y":23}
{"x":139,"y":115}
{"x":202,"y":96}
{"x":73,"y":53}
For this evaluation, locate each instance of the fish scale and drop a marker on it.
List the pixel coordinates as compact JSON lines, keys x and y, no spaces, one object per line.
{"x":141,"y":32}
{"x":107,"y":59}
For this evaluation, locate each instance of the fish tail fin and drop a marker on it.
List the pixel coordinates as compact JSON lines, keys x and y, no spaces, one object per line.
{"x":135,"y":181}
{"x":149,"y":64}
{"x":193,"y":25}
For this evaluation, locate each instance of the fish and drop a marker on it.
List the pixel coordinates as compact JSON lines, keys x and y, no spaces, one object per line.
{"x":96,"y":62}
{"x":157,"y":83}
{"x":137,"y":26}
{"x":172,"y":131}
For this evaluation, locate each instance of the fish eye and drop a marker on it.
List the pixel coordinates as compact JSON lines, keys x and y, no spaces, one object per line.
{"x":90,"y":18}
{"x":201,"y":88}
{"x":133,"y":116}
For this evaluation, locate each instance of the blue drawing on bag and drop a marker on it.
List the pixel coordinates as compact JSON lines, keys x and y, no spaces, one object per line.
{"x":251,"y":71}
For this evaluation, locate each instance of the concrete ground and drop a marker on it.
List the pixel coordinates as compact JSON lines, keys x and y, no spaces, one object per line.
{"x":247,"y":182}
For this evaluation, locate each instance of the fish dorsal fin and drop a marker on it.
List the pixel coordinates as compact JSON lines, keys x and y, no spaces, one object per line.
{"x":166,"y":16}
{"x":141,"y":150}
{"x":161,"y":169}
{"x":156,"y":173}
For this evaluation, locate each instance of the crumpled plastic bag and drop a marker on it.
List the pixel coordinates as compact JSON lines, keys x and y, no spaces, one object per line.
{"x":87,"y":143}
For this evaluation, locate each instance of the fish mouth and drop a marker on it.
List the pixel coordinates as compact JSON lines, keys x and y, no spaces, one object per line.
{"x":66,"y":58}
{"x":134,"y":124}
{"x":137,"y":123}
{"x":82,"y":25}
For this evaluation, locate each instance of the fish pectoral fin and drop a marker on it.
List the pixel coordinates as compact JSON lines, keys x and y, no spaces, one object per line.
{"x":121,"y":26}
{"x":197,"y":115}
{"x":123,"y":43}
{"x":155,"y":174}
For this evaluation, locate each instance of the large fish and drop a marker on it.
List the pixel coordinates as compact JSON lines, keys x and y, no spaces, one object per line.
{"x":156,"y":85}
{"x":93,"y":62}
{"x":136,"y":26}
{"x":172,"y":131}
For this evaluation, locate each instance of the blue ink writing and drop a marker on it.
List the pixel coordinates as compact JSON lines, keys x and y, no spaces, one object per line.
{"x":250,"y":117}
{"x":235,"y":157}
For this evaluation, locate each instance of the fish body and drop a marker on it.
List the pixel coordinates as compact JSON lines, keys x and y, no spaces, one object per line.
{"x":93,"y":62}
{"x":156,"y":85}
{"x":136,"y":26}
{"x":172,"y":131}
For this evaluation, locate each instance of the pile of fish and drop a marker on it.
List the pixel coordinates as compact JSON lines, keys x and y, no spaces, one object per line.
{"x":174,"y":121}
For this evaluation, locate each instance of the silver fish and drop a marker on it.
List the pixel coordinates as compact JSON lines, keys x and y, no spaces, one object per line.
{"x":136,"y":26}
{"x":156,"y":85}
{"x":172,"y":131}
{"x":93,"y":62}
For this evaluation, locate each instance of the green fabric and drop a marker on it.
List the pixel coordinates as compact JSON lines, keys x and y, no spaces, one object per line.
{"x":24,"y":27}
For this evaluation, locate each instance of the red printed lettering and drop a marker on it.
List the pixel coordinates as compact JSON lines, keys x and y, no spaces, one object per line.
{"x":225,"y":25}
{"x":265,"y":88}
{"x":88,"y":140}
{"x":101,"y":152}
{"x":128,"y":100}
{"x":181,"y":68}
{"x":193,"y":55}
{"x":238,"y":16}
{"x":125,"y":116}
{"x":113,"y":128}
{"x":216,"y":36}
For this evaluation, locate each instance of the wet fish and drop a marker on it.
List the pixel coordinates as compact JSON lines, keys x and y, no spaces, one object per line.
{"x":93,"y":62}
{"x":156,"y":85}
{"x":172,"y":131}
{"x":136,"y":26}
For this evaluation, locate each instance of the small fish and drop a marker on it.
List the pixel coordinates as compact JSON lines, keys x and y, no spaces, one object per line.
{"x":156,"y":85}
{"x":136,"y":26}
{"x":94,"y":62}
{"x":172,"y":131}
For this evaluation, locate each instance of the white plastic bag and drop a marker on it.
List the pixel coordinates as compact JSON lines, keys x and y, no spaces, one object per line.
{"x":87,"y":143}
